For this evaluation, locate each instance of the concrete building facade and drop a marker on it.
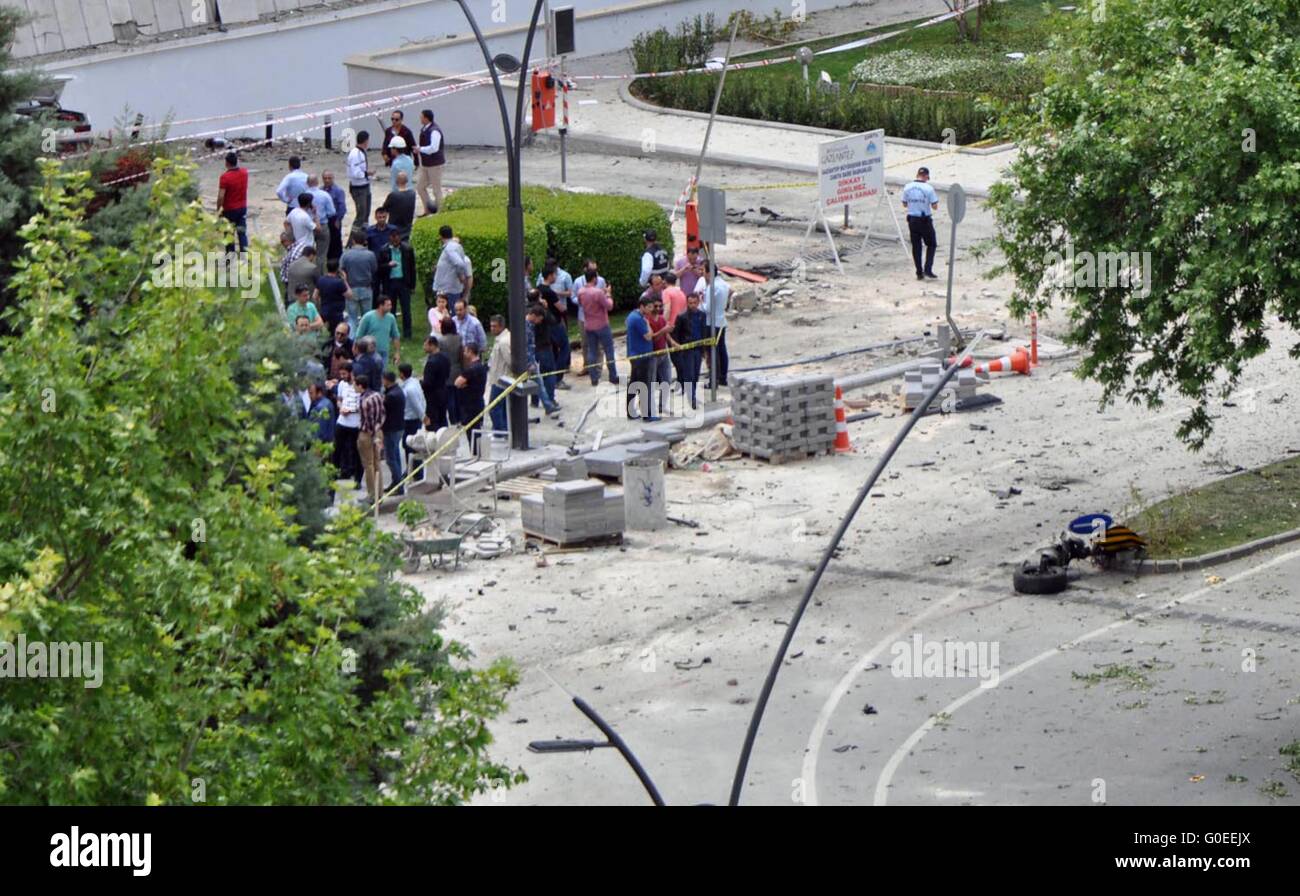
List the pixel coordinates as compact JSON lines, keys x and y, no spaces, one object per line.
{"x":158,"y":59}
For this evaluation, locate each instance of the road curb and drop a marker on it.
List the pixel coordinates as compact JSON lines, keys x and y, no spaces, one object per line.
{"x":1214,"y":558}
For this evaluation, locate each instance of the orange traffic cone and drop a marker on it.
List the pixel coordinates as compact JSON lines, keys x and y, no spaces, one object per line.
{"x":1017,"y":361}
{"x":841,"y":424}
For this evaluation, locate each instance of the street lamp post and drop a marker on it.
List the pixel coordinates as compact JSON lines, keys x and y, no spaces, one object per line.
{"x":518,"y":401}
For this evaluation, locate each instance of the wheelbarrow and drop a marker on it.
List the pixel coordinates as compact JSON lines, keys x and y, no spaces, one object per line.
{"x":437,"y":545}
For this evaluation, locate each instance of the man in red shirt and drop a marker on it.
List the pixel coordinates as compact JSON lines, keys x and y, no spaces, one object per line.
{"x":662,"y":380}
{"x":232,"y":199}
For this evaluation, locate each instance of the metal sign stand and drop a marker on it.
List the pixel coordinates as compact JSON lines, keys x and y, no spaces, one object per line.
{"x":819,"y":214}
{"x":893,"y":213}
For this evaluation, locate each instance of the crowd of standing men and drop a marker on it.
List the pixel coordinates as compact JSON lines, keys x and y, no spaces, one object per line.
{"x":364,"y":400}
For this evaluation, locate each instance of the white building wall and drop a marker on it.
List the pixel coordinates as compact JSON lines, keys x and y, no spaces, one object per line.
{"x":302,"y":57}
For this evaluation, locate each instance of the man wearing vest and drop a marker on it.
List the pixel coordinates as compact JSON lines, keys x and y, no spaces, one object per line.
{"x":432,"y":157}
{"x":655,"y":260}
{"x":920,"y":200}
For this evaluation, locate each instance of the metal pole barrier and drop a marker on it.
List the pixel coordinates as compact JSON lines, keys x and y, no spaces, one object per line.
{"x":713,"y":325}
{"x":739,"y":781}
{"x":270,"y":129}
{"x":717,"y":96}
{"x":329,"y":134}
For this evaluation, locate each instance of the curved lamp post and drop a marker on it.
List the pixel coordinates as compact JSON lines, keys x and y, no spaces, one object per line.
{"x":518,"y":402}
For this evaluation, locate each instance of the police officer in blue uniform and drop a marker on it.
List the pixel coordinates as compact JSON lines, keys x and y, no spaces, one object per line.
{"x":920,"y":200}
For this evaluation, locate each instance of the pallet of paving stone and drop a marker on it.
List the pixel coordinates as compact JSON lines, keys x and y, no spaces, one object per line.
{"x":779,"y":458}
{"x":598,"y":541}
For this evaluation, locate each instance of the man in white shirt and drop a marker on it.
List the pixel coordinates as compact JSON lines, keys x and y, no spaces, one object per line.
{"x":413,"y":415}
{"x":359,"y":178}
{"x":292,"y":185}
{"x":323,"y":208}
{"x":433,"y":157}
{"x":715,"y":296}
{"x":498,"y":370}
{"x":302,"y":221}
{"x":346,"y":458}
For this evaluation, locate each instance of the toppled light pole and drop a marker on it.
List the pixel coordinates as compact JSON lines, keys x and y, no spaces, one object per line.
{"x":713,"y":267}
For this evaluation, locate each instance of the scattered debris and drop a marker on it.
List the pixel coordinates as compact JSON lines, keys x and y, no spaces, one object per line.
{"x":869,"y":710}
{"x":941,"y":561}
{"x":686,"y":666}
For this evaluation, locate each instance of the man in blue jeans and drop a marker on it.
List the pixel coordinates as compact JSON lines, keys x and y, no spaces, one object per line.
{"x":499,"y":370}
{"x":540,"y":358}
{"x":640,"y":345}
{"x":595,"y":304}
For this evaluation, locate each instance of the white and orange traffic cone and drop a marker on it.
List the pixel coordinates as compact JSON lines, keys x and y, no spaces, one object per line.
{"x":1017,"y":361}
{"x":842,"y":443}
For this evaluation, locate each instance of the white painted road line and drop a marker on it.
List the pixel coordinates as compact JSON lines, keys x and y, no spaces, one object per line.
{"x":887,"y":773}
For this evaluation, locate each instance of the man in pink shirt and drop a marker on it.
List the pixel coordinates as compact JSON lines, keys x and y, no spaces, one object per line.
{"x":674,"y":304}
{"x":674,"y":298}
{"x":597,"y":336}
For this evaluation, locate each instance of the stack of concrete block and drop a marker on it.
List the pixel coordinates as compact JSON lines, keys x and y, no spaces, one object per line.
{"x":570,"y":468}
{"x":967,"y":381}
{"x":782,"y":417}
{"x":574,"y":511}
{"x":607,"y":463}
{"x":918,"y":383}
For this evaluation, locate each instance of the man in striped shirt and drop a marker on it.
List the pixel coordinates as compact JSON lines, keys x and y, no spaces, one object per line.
{"x":370,"y":442}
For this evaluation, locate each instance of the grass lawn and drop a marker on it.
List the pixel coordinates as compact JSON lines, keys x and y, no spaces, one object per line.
{"x":1223,"y":514}
{"x":1020,"y":25}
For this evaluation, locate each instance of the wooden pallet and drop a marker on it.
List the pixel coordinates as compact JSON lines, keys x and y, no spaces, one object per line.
{"x":788,"y":457}
{"x":521,"y":486}
{"x":597,"y":542}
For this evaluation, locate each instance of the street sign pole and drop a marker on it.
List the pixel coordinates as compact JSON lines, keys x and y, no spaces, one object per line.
{"x":956,"y":211}
{"x":713,"y":232}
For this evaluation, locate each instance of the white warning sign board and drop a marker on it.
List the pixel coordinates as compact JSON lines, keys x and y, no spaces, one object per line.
{"x":851,"y":169}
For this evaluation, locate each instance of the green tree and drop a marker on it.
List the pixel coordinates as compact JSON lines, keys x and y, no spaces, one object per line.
{"x":20,"y":149}
{"x":147,"y":506}
{"x":1168,"y":128}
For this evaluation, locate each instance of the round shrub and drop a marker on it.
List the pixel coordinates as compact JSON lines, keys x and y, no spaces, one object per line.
{"x":608,"y":228}
{"x":495,"y":196}
{"x":604,"y":226}
{"x":482,"y":231}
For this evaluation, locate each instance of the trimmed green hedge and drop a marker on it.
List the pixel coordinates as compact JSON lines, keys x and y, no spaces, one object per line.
{"x":603,"y":226}
{"x":482,"y":231}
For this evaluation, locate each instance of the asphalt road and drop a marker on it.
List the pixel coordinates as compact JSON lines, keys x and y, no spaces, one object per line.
{"x":671,"y":636}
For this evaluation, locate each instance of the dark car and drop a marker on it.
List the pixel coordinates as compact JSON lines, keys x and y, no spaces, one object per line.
{"x":72,"y":129}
